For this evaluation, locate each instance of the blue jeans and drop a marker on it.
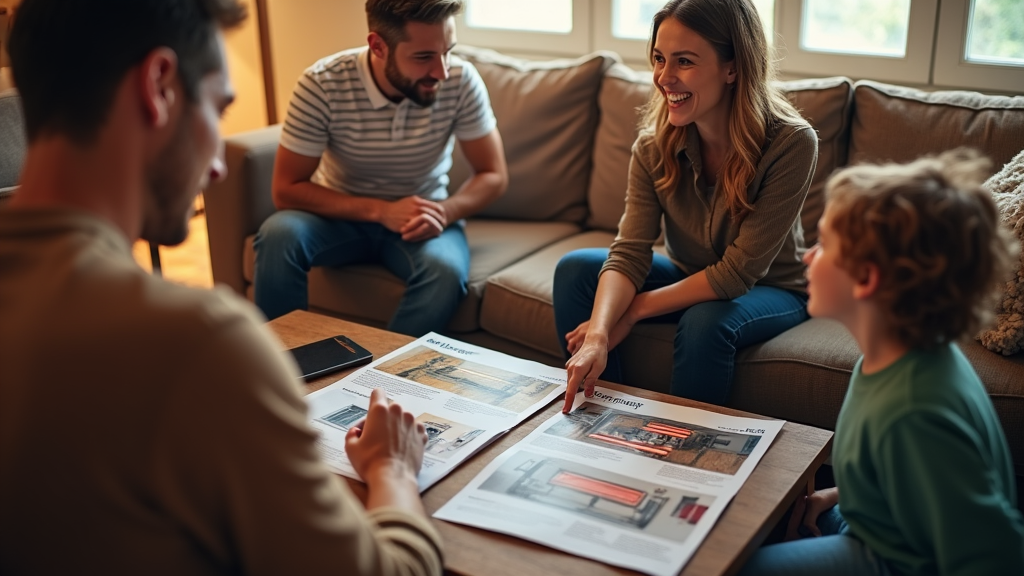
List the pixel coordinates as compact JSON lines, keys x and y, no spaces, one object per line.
{"x":290,"y":242}
{"x":836,"y":552}
{"x":707,"y":334}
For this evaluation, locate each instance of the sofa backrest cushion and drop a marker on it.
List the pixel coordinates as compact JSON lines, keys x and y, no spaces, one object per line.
{"x":12,"y":138}
{"x":898,"y":124}
{"x":624,"y":92}
{"x":547,"y":114}
{"x":824,"y":102}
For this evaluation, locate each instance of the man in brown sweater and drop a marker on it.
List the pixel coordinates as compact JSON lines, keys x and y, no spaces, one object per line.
{"x":149,"y":428}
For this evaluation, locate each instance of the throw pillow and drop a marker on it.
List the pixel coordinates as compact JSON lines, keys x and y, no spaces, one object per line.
{"x":1007,"y":187}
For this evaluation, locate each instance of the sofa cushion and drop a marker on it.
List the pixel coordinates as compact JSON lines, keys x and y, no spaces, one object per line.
{"x":624,"y":92}
{"x":13,"y":143}
{"x":517,"y":301}
{"x":371,"y":293}
{"x":825,"y":103}
{"x":547,"y":114}
{"x":898,"y":124}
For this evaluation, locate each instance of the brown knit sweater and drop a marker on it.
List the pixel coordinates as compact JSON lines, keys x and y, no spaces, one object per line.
{"x":765,"y":248}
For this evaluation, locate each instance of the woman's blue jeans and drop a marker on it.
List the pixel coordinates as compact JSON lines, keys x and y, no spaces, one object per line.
{"x":707,"y":334}
{"x":836,"y":553}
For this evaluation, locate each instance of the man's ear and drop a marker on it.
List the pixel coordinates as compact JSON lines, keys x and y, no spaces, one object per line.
{"x":160,"y":81}
{"x":378,"y":46}
{"x":867,"y":281}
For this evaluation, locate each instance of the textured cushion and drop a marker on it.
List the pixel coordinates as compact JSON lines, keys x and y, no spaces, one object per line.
{"x":1007,"y":187}
{"x":371,"y":293}
{"x":623,"y":92}
{"x":897,"y":124}
{"x":517,"y":302}
{"x":12,"y":138}
{"x":825,"y":103}
{"x":546,"y":113}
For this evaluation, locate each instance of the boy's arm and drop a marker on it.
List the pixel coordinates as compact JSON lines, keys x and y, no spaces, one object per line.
{"x":947,"y":498}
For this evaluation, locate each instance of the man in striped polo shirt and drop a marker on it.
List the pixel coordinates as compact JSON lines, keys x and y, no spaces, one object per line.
{"x":361,"y":171}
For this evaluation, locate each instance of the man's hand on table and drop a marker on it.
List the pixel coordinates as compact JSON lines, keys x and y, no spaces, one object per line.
{"x":386,"y":450}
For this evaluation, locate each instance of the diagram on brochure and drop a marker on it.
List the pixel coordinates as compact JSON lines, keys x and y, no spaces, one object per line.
{"x":465,"y":396}
{"x":620,"y":479}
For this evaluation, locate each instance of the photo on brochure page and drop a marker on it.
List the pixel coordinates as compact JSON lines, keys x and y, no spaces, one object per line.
{"x":630,"y":503}
{"x":472,"y":380}
{"x":658,"y":438}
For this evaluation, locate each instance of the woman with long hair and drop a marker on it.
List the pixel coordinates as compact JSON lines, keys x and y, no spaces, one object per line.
{"x":725,"y":161}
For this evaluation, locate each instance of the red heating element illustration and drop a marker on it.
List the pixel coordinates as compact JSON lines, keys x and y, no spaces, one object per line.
{"x":594,"y":487}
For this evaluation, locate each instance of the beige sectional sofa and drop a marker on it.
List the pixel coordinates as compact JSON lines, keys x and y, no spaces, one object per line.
{"x":568,"y":126}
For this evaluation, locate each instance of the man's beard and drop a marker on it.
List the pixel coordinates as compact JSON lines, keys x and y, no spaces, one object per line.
{"x":171,"y":193}
{"x":407,"y":86}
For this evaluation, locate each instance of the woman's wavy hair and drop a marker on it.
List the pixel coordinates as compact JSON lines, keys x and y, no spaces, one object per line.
{"x":734,"y":29}
{"x":935,"y":235}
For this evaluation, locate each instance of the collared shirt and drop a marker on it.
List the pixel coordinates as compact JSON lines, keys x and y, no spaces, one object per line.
{"x":371,"y":146}
{"x":765,"y":248}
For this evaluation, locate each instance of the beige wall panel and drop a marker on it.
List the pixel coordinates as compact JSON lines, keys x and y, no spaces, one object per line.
{"x":304,"y":31}
{"x":243,"y":53}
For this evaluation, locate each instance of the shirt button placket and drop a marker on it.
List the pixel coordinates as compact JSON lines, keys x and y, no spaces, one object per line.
{"x":398,"y":124}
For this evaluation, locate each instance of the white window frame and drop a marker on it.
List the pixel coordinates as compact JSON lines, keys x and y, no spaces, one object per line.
{"x":575,"y":43}
{"x":951,"y":65}
{"x":914,"y":67}
{"x":630,"y":50}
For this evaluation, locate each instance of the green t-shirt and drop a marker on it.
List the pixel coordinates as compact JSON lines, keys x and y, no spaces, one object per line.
{"x":924,"y":473}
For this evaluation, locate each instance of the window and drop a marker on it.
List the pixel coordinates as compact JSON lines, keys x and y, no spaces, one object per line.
{"x":624,"y":26}
{"x":869,"y":27}
{"x":562,"y":27}
{"x":520,"y":15}
{"x":981,"y":45}
{"x":977,"y":44}
{"x":996,"y":32}
{"x":888,"y":40}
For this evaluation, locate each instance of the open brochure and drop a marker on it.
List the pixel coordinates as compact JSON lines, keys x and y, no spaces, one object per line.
{"x":621,"y":479}
{"x":464,"y":395}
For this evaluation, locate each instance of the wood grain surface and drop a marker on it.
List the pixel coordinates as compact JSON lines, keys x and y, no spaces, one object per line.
{"x":786,"y":469}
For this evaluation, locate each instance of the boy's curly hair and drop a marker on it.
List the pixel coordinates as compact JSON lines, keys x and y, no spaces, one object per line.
{"x":934,"y":235}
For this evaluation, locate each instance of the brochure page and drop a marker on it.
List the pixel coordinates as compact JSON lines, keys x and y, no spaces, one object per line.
{"x":621,"y":479}
{"x":465,"y":396}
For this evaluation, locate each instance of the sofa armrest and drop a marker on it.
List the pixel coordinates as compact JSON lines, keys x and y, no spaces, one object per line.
{"x":237,"y":206}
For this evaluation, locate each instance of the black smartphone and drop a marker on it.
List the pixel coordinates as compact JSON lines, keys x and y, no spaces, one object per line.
{"x":329,"y":355}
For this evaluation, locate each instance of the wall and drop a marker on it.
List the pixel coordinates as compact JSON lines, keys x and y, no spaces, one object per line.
{"x":249,"y":110}
{"x":304,"y":31}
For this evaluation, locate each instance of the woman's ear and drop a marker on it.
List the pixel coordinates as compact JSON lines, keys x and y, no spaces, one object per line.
{"x":730,"y":75}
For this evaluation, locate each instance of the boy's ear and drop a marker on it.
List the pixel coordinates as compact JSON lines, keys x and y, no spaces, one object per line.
{"x":867,"y":281}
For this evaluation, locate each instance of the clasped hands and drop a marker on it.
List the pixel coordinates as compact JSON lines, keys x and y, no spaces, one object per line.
{"x":415,"y":218}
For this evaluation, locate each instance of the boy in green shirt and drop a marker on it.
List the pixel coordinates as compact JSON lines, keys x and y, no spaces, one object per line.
{"x":907,"y":260}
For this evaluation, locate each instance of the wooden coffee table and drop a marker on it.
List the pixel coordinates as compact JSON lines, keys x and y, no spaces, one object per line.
{"x":786,"y":471}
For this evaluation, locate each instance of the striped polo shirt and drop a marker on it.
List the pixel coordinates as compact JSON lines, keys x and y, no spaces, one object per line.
{"x":371,"y":146}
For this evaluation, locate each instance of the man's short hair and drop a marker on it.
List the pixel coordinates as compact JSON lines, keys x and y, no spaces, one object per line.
{"x":934,"y":234}
{"x":69,"y":56}
{"x":389,"y":17}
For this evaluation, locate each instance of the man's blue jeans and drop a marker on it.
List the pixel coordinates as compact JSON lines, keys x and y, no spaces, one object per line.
{"x":290,"y":242}
{"x":707,"y":334}
{"x":836,"y":553}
